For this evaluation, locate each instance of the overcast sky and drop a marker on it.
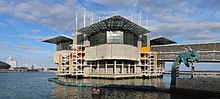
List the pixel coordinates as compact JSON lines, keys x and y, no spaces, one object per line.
{"x":24,"y":23}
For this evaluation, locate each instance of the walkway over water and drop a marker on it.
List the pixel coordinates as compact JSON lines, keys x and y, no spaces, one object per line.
{"x":198,"y":73}
{"x":209,"y":52}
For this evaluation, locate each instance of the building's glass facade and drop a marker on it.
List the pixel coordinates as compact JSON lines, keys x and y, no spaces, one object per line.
{"x":130,"y":38}
{"x":64,"y":46}
{"x":98,"y":38}
{"x":114,"y":30}
{"x":113,"y":37}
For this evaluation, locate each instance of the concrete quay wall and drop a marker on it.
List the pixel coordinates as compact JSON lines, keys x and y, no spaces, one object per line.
{"x":202,"y":84}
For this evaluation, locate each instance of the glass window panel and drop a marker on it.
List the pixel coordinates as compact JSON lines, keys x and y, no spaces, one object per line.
{"x":115,"y":37}
{"x":97,"y":38}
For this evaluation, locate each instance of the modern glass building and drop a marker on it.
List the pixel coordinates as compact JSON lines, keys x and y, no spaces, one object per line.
{"x":112,"y":48}
{"x":4,"y":65}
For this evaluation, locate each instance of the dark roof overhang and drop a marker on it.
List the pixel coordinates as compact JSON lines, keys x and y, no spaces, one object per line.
{"x":58,"y":39}
{"x":161,"y":41}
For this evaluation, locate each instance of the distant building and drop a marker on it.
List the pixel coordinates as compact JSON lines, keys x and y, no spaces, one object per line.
{"x":4,"y":65}
{"x":12,"y":62}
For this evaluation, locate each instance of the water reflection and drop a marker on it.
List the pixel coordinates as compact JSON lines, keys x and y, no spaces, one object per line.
{"x":110,"y":93}
{"x":69,"y":92}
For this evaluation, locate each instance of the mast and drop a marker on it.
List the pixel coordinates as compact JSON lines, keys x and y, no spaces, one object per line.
{"x":84,"y":18}
{"x":132,"y":17}
{"x":147,"y":21}
{"x":76,"y":23}
{"x":140,"y":19}
{"x":92,"y":18}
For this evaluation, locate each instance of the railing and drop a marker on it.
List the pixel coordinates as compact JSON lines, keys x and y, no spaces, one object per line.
{"x":208,"y":52}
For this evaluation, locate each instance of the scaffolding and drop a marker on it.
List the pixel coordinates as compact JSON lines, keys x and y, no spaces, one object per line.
{"x":65,"y":62}
{"x":149,"y":63}
{"x":73,"y":64}
{"x":78,"y":59}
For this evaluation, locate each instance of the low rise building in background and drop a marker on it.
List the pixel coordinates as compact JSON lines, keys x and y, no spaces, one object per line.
{"x":11,"y":62}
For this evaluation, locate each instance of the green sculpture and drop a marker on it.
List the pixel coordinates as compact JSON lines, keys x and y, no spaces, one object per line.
{"x":186,"y":58}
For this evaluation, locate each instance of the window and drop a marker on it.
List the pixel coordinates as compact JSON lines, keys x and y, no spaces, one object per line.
{"x":98,"y":38}
{"x":130,"y":38}
{"x":64,"y":46}
{"x":115,"y":37}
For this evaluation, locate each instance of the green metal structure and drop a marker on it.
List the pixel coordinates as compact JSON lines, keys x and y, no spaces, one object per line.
{"x":186,"y":58}
{"x":115,"y":86}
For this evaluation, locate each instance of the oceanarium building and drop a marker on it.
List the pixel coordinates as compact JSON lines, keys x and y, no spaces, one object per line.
{"x":112,"y":48}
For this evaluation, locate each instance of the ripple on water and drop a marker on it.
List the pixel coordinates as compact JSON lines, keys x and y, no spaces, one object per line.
{"x":36,"y":86}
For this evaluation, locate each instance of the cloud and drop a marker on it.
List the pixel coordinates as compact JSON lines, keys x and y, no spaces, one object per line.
{"x":171,"y":18}
{"x":203,"y":36}
{"x":116,"y":3}
{"x":2,"y":25}
{"x":32,"y":36}
{"x":22,"y":47}
{"x":36,"y":30}
{"x":59,"y":15}
{"x":5,"y":46}
{"x":196,"y":20}
{"x":190,"y":30}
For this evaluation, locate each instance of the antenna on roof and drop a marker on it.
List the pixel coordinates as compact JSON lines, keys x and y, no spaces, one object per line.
{"x":140,"y":19}
{"x":148,"y":17}
{"x":84,"y":18}
{"x":92,"y":18}
{"x":147,"y":21}
{"x":76,"y":23}
{"x":132,"y":17}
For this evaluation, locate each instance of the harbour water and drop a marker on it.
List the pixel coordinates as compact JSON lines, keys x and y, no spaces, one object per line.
{"x":35,"y":85}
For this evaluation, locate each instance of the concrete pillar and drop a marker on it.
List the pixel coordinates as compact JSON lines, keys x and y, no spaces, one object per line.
{"x":106,"y":67}
{"x":163,"y":67}
{"x":70,"y":63}
{"x":148,"y":40}
{"x":155,"y":62}
{"x":98,"y":66}
{"x":81,"y":61}
{"x":75,"y":39}
{"x":86,"y":41}
{"x":192,"y":71}
{"x":129,"y":66}
{"x":122,"y":67}
{"x":114,"y":66}
{"x":145,"y":65}
{"x":60,"y":69}
{"x":135,"y":67}
{"x":90,"y":67}
{"x":139,"y":42}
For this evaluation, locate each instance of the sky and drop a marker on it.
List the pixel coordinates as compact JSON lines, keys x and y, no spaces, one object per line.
{"x":25,"y":23}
